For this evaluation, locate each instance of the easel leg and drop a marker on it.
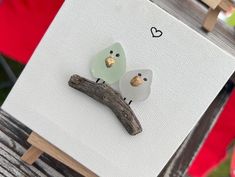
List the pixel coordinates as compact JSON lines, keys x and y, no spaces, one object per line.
{"x":31,"y":155}
{"x":40,"y":145}
{"x":211,"y":19}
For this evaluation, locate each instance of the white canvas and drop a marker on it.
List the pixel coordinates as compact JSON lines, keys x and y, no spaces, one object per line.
{"x":188,"y":73}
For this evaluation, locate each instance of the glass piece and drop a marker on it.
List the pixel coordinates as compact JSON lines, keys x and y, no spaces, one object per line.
{"x":136,"y":85}
{"x":109,"y":64}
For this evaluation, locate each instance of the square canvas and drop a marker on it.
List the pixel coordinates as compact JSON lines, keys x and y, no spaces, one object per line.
{"x":188,"y":73}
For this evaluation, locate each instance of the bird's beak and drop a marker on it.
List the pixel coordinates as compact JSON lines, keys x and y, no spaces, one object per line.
{"x":136,"y":81}
{"x":110,"y":61}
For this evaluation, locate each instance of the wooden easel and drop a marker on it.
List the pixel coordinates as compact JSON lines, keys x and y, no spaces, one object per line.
{"x":216,"y":6}
{"x":40,"y":146}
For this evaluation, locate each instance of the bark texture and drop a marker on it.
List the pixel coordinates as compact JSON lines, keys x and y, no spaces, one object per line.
{"x":106,"y":95}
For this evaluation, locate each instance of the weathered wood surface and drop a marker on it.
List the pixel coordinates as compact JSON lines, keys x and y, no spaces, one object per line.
{"x":192,"y":13}
{"x":42,"y":144}
{"x":104,"y":94}
{"x":13,"y":144}
{"x":212,"y":3}
{"x":13,"y":134}
{"x":181,"y":160}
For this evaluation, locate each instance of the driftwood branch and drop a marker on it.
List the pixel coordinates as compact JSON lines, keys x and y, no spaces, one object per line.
{"x":111,"y":98}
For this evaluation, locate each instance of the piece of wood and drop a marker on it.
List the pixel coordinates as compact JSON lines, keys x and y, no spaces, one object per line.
{"x":111,"y":98}
{"x":216,"y":7}
{"x":31,"y":155}
{"x":211,"y":19}
{"x":212,"y":3}
{"x":9,"y":166}
{"x":226,"y":5}
{"x":48,"y":148}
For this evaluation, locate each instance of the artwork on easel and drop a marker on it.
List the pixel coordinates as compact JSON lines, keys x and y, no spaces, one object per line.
{"x":178,"y":91}
{"x":109,"y":67}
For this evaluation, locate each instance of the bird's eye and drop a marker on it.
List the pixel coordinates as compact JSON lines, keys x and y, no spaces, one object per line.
{"x":145,"y":79}
{"x":111,"y":52}
{"x":139,"y":74}
{"x":117,"y":55}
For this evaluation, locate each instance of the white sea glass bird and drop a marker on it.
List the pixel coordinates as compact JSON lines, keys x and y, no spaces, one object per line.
{"x":109,"y":64}
{"x":136,"y":85}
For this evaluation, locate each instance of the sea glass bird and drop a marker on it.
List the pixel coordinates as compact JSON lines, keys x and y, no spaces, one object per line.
{"x":109,"y":64}
{"x":136,"y":85}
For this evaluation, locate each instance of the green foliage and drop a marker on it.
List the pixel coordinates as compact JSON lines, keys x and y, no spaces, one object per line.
{"x":231,"y":20}
{"x":17,"y":69}
{"x":223,"y":170}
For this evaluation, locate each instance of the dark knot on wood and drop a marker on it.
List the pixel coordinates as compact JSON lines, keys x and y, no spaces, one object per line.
{"x":106,"y":95}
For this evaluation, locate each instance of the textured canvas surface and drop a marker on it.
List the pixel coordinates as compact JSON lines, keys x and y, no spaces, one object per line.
{"x":188,"y":72}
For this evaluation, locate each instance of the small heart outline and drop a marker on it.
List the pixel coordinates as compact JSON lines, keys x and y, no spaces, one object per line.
{"x":155,"y":31}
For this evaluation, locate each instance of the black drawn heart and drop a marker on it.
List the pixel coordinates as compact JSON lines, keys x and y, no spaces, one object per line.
{"x":156,"y":33}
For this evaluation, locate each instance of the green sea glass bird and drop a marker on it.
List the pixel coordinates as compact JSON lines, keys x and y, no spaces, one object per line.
{"x":109,"y":64}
